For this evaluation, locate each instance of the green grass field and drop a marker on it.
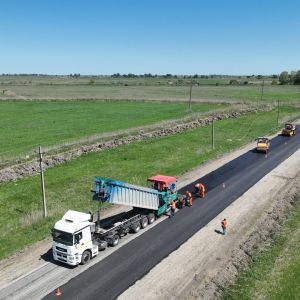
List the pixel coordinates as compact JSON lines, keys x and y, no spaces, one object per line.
{"x":170,"y":89}
{"x":25,"y":125}
{"x":275,"y":274}
{"x":68,"y":186}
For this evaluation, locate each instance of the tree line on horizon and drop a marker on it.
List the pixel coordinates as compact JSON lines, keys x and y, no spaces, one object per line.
{"x":289,"y":78}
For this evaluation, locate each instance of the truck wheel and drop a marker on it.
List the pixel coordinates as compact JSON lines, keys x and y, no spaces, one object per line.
{"x":135,"y":227}
{"x":151,"y":218}
{"x":115,"y":240}
{"x":144,"y":222}
{"x":85,"y":257}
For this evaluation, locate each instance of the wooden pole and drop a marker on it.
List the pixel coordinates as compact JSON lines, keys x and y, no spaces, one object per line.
{"x":190,"y":100}
{"x":262,"y":91}
{"x":43,"y":183}
{"x":277,"y":113}
{"x":212,"y":134}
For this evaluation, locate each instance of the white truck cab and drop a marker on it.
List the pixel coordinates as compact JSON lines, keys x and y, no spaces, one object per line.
{"x":72,"y":238}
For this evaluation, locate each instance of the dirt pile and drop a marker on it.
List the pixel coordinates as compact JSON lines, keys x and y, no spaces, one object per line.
{"x":32,"y":168}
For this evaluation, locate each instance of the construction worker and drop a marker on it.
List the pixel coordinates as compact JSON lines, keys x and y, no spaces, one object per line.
{"x":173,"y":208}
{"x":224,"y":225}
{"x":188,"y":198}
{"x":200,"y":190}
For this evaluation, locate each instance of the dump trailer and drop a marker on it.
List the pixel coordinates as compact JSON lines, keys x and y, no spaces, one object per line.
{"x":289,"y":129}
{"x":77,"y":237}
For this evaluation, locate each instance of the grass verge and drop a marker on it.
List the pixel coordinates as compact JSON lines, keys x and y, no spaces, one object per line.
{"x":26,"y":125}
{"x":275,"y":274}
{"x":68,"y":186}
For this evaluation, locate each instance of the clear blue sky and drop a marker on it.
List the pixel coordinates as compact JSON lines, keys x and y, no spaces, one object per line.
{"x":149,"y":36}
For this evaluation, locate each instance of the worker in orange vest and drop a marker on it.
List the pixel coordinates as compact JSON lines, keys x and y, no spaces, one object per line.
{"x":173,"y":208}
{"x":188,"y":198}
{"x":200,"y":189}
{"x":224,"y":225}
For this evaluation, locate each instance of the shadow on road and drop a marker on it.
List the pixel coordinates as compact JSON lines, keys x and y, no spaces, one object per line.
{"x":218,"y":231}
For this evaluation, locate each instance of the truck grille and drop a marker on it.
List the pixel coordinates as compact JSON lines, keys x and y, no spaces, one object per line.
{"x":61,"y":249}
{"x":62,"y":257}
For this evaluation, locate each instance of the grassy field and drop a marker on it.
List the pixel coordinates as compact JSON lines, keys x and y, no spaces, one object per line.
{"x":25,"y":125}
{"x":275,"y":274}
{"x":170,"y":89}
{"x":68,"y":186}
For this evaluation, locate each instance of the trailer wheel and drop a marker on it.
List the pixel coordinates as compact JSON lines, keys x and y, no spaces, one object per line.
{"x":151,"y":218}
{"x":85,"y":257}
{"x":144,"y":222}
{"x":115,"y":240}
{"x":135,"y":227}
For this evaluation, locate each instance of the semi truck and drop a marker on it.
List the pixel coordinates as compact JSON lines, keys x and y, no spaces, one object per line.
{"x":77,"y":237}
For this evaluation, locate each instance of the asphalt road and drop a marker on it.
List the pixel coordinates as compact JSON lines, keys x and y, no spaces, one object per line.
{"x":114,"y":274}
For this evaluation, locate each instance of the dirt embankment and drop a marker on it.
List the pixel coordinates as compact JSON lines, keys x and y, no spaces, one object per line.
{"x":32,"y":168}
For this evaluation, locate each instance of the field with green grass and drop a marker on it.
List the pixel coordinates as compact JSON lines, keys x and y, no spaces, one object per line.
{"x":157,"y":88}
{"x":68,"y":186}
{"x":26,"y":124}
{"x":275,"y":274}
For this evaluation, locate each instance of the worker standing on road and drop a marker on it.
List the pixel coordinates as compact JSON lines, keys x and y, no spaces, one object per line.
{"x":200,"y":190}
{"x":224,"y":225}
{"x":173,"y":208}
{"x":188,"y":198}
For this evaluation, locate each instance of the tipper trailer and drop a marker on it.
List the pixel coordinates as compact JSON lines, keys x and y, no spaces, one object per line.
{"x":77,"y":237}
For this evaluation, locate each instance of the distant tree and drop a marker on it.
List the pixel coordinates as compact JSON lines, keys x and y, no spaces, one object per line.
{"x":233,"y":82}
{"x":245,"y":82}
{"x":274,"y":82}
{"x":296,"y":78}
{"x":275,"y":76}
{"x":259,"y":76}
{"x":284,"y":77}
{"x":91,"y":82}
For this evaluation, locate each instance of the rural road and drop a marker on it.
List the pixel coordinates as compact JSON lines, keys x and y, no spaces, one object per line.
{"x":121,"y":267}
{"x":110,"y":277}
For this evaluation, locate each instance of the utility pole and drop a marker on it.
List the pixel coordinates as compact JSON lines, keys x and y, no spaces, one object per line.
{"x":277,"y":113}
{"x":212,"y":134}
{"x":42,"y":182}
{"x":190,"y":100}
{"x":262,"y":90}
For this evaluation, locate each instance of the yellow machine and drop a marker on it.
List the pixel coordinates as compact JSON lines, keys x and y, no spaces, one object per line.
{"x":289,"y":129}
{"x":263,"y":144}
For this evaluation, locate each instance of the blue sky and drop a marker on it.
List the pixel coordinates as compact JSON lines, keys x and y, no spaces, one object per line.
{"x":149,"y":36}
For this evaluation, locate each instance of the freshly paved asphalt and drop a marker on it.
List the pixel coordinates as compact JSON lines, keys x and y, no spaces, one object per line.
{"x":113,"y":275}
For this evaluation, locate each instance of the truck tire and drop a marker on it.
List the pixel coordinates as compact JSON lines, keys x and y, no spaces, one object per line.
{"x":144,"y":222}
{"x":85,"y":257}
{"x":135,"y":227}
{"x":151,"y":218}
{"x":115,"y":240}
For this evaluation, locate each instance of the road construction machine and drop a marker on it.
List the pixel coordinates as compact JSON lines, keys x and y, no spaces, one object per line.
{"x":263,"y":144}
{"x":77,"y":237}
{"x":289,"y":129}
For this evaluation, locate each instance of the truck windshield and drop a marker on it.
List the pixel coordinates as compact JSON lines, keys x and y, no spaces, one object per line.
{"x":63,"y":237}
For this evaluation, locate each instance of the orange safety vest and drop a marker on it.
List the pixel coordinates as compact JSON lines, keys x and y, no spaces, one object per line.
{"x":173,"y":205}
{"x":224,"y":224}
{"x":188,"y":194}
{"x":200,"y":186}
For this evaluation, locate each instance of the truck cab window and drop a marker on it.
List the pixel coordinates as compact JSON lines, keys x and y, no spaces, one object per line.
{"x":78,"y":237}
